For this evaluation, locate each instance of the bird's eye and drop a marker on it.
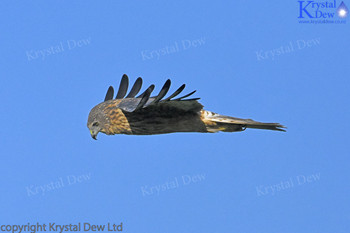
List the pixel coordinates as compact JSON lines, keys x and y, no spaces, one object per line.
{"x":95,"y":124}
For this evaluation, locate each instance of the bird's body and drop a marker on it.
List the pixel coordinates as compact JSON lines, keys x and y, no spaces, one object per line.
{"x":145,"y":115}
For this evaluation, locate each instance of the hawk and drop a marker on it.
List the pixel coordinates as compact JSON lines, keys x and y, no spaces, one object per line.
{"x":146,"y":115}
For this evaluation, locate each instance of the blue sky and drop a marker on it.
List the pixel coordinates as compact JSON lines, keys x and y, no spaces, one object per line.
{"x":248,"y":59}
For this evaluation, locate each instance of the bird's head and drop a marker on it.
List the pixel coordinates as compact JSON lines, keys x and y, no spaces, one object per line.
{"x":97,"y":121}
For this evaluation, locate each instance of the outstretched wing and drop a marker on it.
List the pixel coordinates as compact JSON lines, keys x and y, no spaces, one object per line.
{"x":131,"y":103}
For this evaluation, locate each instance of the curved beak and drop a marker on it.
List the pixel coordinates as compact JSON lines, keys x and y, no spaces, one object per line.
{"x":93,"y":135}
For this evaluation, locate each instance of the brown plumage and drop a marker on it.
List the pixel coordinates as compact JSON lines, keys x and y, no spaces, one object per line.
{"x":145,"y":115}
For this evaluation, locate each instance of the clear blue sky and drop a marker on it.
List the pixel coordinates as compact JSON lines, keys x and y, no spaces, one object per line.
{"x":58,"y":59}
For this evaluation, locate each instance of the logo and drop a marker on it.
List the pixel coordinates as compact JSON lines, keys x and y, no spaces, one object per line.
{"x":318,"y":12}
{"x":342,"y":10}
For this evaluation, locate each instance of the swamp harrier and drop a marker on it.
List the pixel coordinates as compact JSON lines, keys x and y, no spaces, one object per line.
{"x":146,"y":115}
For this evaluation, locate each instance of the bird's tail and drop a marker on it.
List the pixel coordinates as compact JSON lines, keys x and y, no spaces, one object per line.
{"x":216,"y":122}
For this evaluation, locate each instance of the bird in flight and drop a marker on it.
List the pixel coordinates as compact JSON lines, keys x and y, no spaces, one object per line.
{"x":146,"y":115}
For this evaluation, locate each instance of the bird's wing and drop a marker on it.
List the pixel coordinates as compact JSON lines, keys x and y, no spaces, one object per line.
{"x":131,"y":103}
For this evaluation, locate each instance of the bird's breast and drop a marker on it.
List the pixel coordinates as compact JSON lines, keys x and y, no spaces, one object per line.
{"x":117,"y":122}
